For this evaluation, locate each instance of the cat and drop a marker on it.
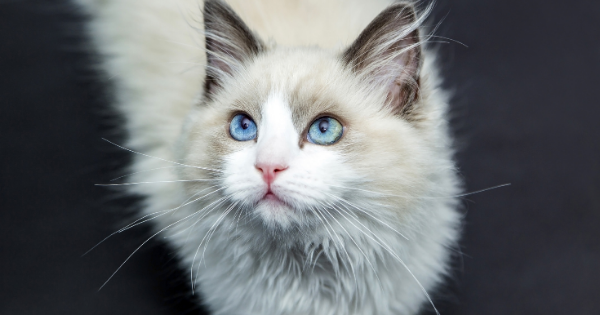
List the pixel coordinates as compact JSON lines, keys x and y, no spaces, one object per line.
{"x":295,"y":155}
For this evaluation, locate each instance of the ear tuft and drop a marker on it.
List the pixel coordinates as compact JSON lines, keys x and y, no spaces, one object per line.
{"x":229,"y":43}
{"x":388,"y":53}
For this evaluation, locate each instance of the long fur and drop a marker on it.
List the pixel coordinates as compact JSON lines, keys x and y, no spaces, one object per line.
{"x":369,"y":222}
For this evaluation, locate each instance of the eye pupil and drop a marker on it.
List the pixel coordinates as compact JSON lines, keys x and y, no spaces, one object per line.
{"x":323,"y":125}
{"x":325,"y":131}
{"x":245,"y":123}
{"x":242,"y":128}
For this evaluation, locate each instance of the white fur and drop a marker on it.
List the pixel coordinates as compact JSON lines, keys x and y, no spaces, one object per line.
{"x":278,"y":139}
{"x":342,"y":244}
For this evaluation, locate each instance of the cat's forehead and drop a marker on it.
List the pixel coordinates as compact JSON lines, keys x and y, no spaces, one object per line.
{"x":309,"y":83}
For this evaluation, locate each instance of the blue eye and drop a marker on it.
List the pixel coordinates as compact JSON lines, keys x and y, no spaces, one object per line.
{"x":325,"y":131}
{"x":242,"y":128}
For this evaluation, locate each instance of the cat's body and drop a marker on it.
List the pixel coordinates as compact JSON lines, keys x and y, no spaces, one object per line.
{"x":279,"y":224}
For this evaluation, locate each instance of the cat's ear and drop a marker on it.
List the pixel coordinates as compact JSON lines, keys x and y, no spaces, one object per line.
{"x":229,"y":43}
{"x":388,"y":53}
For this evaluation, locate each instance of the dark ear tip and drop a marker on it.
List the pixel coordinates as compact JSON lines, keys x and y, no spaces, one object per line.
{"x":213,"y":7}
{"x":406,"y":4}
{"x":209,"y":5}
{"x":405,"y":9}
{"x":213,"y":3}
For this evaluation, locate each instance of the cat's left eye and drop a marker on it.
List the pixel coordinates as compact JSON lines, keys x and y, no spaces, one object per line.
{"x":242,"y":128}
{"x":325,"y":131}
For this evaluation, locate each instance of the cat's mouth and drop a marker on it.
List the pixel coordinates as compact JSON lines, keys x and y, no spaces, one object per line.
{"x":271,"y":197}
{"x":274,"y":200}
{"x":275,"y":211}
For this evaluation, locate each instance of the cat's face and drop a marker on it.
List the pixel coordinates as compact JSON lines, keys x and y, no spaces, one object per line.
{"x":298,"y":137}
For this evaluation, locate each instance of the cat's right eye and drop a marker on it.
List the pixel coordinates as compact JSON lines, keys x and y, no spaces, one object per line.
{"x":242,"y":128}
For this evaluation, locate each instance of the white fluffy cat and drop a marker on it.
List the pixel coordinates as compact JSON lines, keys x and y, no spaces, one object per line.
{"x":297,"y":155}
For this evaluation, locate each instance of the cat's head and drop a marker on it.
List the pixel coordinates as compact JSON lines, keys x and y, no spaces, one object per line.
{"x":298,"y":136}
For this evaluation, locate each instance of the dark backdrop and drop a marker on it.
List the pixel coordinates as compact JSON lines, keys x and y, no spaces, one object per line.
{"x":526,"y":112}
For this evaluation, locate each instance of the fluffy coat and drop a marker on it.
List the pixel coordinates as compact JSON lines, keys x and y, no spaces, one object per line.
{"x":363,"y":226}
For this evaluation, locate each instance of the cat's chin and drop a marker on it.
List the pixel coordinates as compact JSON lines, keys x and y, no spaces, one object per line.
{"x":275,"y":212}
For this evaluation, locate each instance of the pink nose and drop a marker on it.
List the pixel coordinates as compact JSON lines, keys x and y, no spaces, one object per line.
{"x":270,"y":171}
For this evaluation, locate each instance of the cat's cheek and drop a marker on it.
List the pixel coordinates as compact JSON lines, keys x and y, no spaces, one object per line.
{"x":243,"y":183}
{"x":314,"y":177}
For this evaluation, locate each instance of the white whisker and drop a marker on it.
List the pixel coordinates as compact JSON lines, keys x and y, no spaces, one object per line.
{"x":348,"y":255}
{"x":421,"y":197}
{"x":370,"y":215}
{"x":387,"y":248}
{"x":152,"y":169}
{"x":355,"y":243}
{"x":208,"y":208}
{"x":158,"y":182}
{"x":324,"y":221}
{"x":144,"y":219}
{"x":482,"y":190}
{"x":211,"y":209}
{"x":343,"y":246}
{"x":209,"y":235}
{"x":161,"y":159}
{"x":138,"y":248}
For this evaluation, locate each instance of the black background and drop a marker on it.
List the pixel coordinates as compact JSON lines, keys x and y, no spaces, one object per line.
{"x":526,"y":112}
